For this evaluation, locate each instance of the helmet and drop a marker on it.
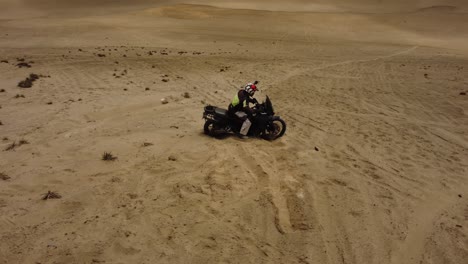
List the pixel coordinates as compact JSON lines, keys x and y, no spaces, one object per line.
{"x":250,"y":89}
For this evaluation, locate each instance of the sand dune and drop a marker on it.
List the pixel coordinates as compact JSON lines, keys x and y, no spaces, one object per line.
{"x":356,"y":6}
{"x":372,"y":168}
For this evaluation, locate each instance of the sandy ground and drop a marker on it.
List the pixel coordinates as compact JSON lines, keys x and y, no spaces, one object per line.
{"x":372,"y":169}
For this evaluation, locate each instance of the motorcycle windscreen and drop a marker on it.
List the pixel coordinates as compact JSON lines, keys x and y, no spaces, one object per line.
{"x":269,"y":106}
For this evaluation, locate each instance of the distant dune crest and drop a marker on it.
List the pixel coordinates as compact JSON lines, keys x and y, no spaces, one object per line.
{"x":183,"y":11}
{"x":354,"y":6}
{"x":440,"y":8}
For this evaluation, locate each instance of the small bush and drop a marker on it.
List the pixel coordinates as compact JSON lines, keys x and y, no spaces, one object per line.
{"x":4,"y":177}
{"x":23,"y":142}
{"x":33,"y":76}
{"x":12,"y":146}
{"x":107,"y":156}
{"x":26,"y":83}
{"x":23,"y":65}
{"x":51,"y":195}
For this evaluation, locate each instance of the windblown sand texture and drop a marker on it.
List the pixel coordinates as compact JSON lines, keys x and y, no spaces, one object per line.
{"x":372,"y":169}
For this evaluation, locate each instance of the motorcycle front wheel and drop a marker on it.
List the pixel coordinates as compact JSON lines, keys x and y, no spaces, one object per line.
{"x":275,"y":129}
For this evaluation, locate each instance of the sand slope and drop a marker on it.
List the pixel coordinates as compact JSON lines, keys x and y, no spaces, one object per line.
{"x":372,"y":168}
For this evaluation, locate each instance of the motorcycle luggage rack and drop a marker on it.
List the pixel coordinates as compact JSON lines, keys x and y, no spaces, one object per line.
{"x":209,"y":109}
{"x":209,"y":112}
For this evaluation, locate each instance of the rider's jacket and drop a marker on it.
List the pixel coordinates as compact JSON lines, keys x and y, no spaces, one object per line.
{"x":240,"y":102}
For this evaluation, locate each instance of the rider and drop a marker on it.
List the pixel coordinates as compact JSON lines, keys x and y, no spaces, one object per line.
{"x":240,"y":106}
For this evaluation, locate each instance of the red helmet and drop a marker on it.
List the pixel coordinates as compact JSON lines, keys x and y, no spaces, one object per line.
{"x":250,"y":89}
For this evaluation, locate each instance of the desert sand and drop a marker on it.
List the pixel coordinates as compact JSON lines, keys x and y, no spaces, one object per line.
{"x":373,"y":167}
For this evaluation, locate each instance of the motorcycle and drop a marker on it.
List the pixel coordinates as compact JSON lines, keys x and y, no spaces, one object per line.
{"x":265,"y":124}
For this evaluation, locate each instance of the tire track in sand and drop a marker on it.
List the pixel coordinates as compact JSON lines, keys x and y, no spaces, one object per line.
{"x":323,"y":67}
{"x":268,"y":181}
{"x":412,"y":249}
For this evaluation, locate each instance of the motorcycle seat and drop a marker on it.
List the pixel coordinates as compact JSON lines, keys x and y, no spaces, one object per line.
{"x":221,"y":112}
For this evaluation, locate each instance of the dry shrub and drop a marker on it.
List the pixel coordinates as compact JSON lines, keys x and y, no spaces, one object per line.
{"x":107,"y":156}
{"x":12,"y":146}
{"x":28,"y":83}
{"x":4,"y":177}
{"x":22,"y":142}
{"x":51,"y":195}
{"x":23,"y":65}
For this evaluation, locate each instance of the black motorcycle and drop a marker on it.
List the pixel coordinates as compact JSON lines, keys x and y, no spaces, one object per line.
{"x":265,"y":124}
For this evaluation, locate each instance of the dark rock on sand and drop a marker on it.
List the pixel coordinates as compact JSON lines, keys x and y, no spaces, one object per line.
{"x":23,"y":65}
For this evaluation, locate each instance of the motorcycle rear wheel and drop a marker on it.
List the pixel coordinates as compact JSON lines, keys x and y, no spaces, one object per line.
{"x":209,"y":128}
